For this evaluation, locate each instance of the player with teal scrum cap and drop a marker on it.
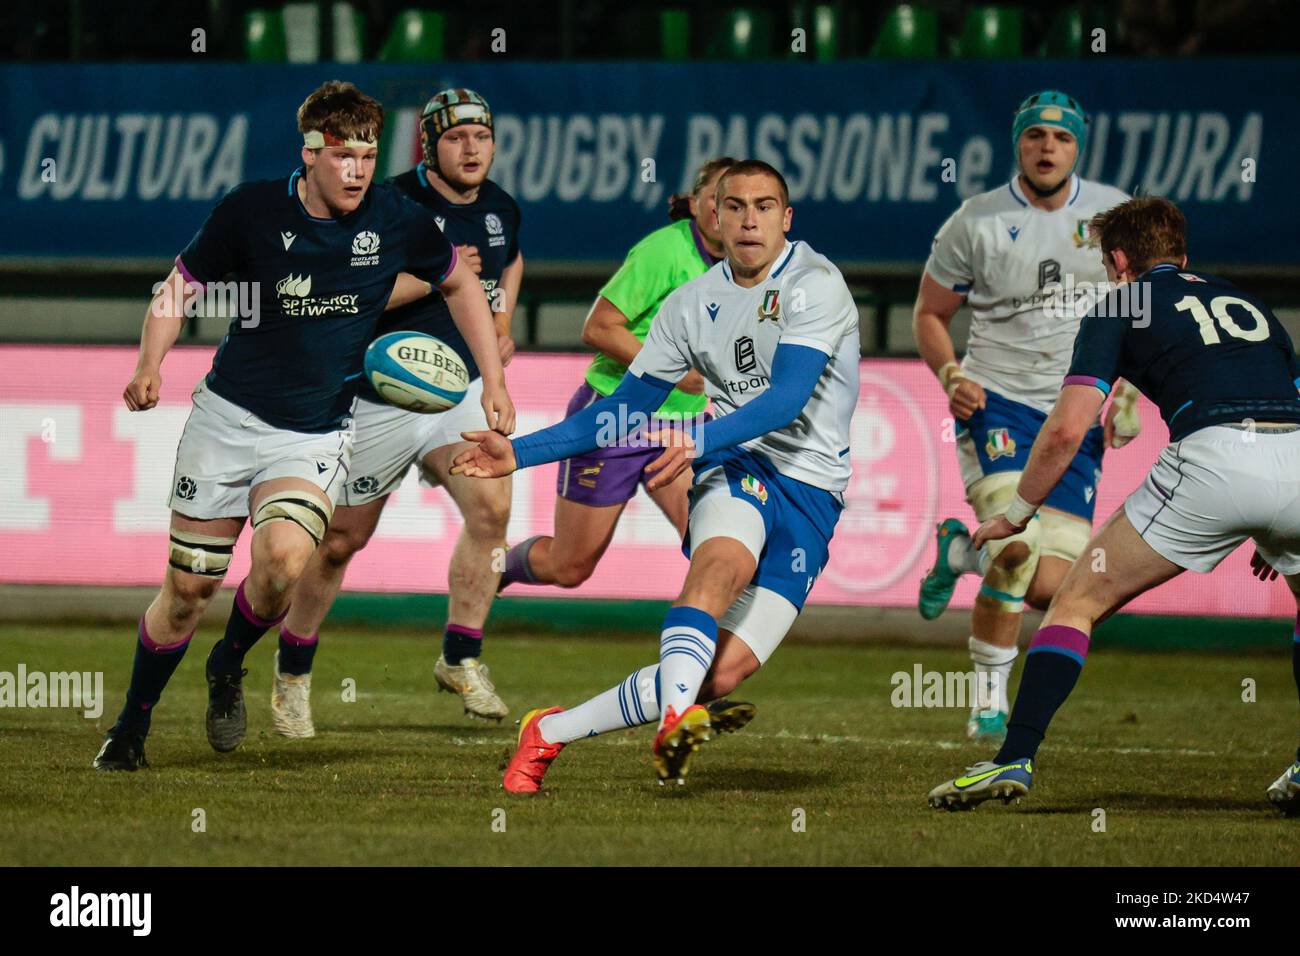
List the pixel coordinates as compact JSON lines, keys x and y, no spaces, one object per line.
{"x":1018,"y":256}
{"x":592,"y":490}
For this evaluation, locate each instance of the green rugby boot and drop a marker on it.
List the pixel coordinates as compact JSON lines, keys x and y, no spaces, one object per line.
{"x":938,"y":584}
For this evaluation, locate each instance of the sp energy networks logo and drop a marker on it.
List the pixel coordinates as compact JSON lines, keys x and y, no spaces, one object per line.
{"x":296,"y":298}
{"x":77,"y":909}
{"x":294,"y":285}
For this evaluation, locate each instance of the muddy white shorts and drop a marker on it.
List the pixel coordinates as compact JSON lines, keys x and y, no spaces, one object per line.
{"x":390,"y":439}
{"x":225,"y":450}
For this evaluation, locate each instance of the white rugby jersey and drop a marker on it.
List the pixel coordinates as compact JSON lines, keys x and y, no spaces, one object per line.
{"x":731,"y":333}
{"x":1000,"y":252}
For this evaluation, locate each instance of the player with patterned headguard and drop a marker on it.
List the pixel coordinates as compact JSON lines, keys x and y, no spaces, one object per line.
{"x":1224,"y":374}
{"x":593,"y":489}
{"x":1018,"y":256}
{"x":482,"y":220}
{"x":270,"y":433}
{"x":774,"y":331}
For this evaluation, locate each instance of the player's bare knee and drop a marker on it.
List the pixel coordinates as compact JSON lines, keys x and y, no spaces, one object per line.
{"x":188,"y":595}
{"x":1040,"y":595}
{"x":279,"y":562}
{"x":1012,"y":556}
{"x":487,"y":519}
{"x":572,"y":574}
{"x":340,"y":545}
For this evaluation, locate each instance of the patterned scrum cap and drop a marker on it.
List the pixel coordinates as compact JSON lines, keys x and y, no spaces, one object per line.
{"x":448,"y":108}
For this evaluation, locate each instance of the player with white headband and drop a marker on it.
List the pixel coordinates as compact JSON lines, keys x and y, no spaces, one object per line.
{"x":270,"y":434}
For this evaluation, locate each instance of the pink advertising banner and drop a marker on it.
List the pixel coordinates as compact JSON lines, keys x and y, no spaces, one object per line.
{"x":84,"y":484}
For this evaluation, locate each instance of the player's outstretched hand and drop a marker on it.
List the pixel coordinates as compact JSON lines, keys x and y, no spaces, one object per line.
{"x":141,"y":393}
{"x":994,"y":529}
{"x":492,"y":457}
{"x":498,"y":408}
{"x":1261,"y":568}
{"x":679,"y":452}
{"x":471,"y":257}
{"x":966,"y":396}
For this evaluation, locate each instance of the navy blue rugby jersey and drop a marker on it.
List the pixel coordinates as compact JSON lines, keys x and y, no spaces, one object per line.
{"x":1200,"y":348}
{"x":491,"y":223}
{"x":322,"y":286}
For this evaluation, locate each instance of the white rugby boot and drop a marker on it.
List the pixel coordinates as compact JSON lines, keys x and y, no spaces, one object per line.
{"x":471,"y":681}
{"x":291,"y":704}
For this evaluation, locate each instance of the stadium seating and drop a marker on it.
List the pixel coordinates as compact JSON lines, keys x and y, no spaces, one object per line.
{"x":746,"y":33}
{"x":417,"y":36}
{"x":675,"y":34}
{"x":264,"y":36}
{"x":909,"y":32}
{"x":1065,"y":35}
{"x":990,"y":33}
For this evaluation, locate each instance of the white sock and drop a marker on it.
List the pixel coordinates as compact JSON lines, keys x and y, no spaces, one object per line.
{"x":993,"y":675}
{"x":686,"y":647}
{"x":965,"y":559}
{"x":633,"y":702}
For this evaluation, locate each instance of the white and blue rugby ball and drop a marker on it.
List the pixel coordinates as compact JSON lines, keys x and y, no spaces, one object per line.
{"x":416,"y":372}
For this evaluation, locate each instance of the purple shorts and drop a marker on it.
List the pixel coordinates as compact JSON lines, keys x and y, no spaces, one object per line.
{"x":606,"y":476}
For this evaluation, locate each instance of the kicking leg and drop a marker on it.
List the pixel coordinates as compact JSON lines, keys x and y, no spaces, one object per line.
{"x":632,"y":702}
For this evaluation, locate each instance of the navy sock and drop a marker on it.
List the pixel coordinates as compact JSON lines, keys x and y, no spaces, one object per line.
{"x":152,"y":669}
{"x":1052,"y":667}
{"x":460,"y":642}
{"x":243,"y":630}
{"x":296,"y":652}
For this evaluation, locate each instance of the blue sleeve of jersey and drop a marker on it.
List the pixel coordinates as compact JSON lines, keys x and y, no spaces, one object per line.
{"x":1097,"y":349}
{"x":583,"y":431}
{"x":217,"y":248}
{"x":795,"y":372}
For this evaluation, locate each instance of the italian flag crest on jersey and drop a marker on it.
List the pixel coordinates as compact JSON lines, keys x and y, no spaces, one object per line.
{"x":1000,"y":443}
{"x":752,"y":486}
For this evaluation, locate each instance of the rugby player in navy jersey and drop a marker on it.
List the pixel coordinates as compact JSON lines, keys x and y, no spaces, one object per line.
{"x":1224,"y":374}
{"x":270,"y":431}
{"x":482,"y":220}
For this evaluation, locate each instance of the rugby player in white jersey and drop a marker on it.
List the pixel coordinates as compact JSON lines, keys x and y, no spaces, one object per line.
{"x":774,"y":331}
{"x":1018,"y":255}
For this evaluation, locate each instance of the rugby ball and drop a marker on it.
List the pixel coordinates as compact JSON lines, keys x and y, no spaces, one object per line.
{"x":416,"y":372}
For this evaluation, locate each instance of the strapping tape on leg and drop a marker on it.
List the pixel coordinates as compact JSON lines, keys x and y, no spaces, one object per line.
{"x":1064,"y":536}
{"x":310,"y":514}
{"x":1003,"y":584}
{"x":200,"y":553}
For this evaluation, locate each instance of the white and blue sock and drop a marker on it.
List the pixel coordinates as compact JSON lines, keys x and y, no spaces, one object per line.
{"x":965,"y":558}
{"x":686,"y":647}
{"x":633,"y":702}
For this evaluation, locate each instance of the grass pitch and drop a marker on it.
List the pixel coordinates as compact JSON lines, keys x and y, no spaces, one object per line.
{"x":1163,"y":743}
